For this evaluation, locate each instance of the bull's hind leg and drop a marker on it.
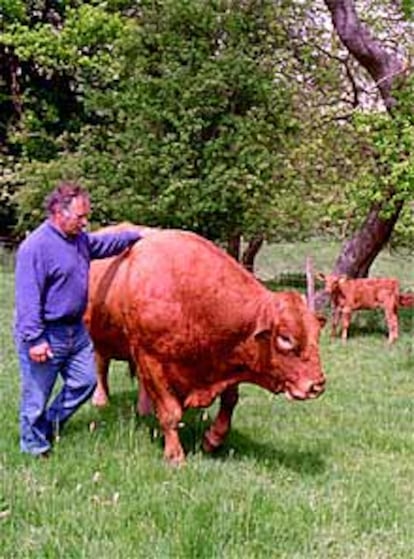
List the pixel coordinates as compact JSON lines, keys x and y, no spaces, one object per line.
{"x":168,"y":409}
{"x":216,"y":434}
{"x":144,"y":404}
{"x":101,"y":394}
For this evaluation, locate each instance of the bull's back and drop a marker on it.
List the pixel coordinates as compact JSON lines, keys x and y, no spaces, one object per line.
{"x":175,"y":265}
{"x":185,"y":295}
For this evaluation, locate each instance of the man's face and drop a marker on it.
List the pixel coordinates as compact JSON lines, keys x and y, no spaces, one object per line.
{"x":74,"y":219}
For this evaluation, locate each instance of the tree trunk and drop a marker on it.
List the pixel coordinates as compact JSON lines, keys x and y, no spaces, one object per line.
{"x":359,"y":252}
{"x":15,"y":85}
{"x":10,"y":94}
{"x":250,"y":252}
{"x":233,"y":246}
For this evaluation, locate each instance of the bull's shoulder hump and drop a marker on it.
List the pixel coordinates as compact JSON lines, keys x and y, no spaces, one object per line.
{"x":177,"y":241}
{"x":179,"y":252}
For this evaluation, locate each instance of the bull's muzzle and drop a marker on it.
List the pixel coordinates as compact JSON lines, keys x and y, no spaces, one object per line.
{"x":308,"y":391}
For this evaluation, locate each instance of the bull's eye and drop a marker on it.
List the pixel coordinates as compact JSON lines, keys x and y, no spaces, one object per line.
{"x":285,"y":342}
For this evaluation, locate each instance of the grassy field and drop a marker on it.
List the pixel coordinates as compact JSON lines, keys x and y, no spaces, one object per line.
{"x":332,"y":478}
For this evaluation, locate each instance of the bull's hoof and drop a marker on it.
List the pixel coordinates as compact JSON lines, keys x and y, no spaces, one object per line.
{"x":99,"y":400}
{"x":176,"y":461}
{"x":211,"y":443}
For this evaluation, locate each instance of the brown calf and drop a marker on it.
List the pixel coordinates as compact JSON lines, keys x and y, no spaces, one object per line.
{"x":348,"y":295}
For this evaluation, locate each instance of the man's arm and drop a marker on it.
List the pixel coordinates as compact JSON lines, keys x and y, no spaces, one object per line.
{"x":29,"y":284}
{"x":103,"y":245}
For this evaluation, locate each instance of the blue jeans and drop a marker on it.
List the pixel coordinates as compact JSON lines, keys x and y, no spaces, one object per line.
{"x":73,"y":358}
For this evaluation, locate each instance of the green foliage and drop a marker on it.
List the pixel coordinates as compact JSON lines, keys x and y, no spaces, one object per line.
{"x":364,"y":160}
{"x":220,"y":117}
{"x":390,"y":141}
{"x":9,"y":183}
{"x":193,"y":113}
{"x":11,"y":10}
{"x":195,"y":132}
{"x":59,"y":65}
{"x":408,"y":8}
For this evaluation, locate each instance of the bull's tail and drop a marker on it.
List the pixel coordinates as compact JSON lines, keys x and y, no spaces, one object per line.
{"x":406,"y":299}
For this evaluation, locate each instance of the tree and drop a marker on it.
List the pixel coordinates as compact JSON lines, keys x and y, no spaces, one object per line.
{"x":201,"y":130}
{"x":391,"y":139}
{"x":228,"y":118}
{"x":196,"y":130}
{"x":51,"y":54}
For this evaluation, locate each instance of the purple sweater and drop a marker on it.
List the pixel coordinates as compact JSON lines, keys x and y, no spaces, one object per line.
{"x":52,"y":272}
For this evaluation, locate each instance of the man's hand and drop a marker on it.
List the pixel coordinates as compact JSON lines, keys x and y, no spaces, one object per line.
{"x":41,"y":352}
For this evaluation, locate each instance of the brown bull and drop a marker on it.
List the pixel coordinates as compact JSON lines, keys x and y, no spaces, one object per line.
{"x":348,"y":295}
{"x":196,"y":324}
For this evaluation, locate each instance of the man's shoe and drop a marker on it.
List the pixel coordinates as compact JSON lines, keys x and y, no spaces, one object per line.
{"x":44,"y":455}
{"x":53,"y":435}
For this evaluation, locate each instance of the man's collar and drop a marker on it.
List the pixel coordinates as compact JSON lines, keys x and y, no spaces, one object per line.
{"x":58,"y":230}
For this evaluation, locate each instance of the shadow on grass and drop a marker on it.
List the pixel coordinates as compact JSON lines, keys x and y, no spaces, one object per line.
{"x":406,"y":320}
{"x":238,"y":445}
{"x":291,"y":457}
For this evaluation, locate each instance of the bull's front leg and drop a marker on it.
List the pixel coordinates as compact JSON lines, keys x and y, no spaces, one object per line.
{"x":169,"y":414}
{"x":168,"y":409}
{"x":216,"y":434}
{"x":100,"y":396}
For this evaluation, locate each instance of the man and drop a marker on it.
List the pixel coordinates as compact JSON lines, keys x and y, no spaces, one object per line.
{"x":51,"y":295}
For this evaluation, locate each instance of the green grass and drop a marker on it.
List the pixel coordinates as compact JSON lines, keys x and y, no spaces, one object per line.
{"x":332,"y":478}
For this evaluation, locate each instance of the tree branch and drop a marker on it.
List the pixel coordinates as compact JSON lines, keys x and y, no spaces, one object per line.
{"x":370,"y":53}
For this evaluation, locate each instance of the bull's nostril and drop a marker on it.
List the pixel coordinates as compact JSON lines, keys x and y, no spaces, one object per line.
{"x":318,"y":387}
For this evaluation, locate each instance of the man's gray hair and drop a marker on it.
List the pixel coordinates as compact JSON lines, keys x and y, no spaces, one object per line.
{"x":61,"y":197}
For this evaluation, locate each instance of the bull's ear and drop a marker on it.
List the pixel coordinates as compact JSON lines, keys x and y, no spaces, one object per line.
{"x":264,"y":324}
{"x":262,"y":335}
